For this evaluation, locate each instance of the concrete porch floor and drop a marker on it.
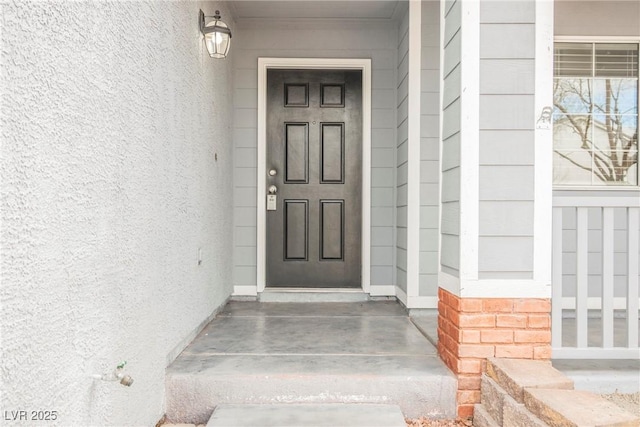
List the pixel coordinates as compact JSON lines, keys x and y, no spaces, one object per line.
{"x":314,"y":352}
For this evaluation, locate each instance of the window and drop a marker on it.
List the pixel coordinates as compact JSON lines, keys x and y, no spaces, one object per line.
{"x":595,"y":115}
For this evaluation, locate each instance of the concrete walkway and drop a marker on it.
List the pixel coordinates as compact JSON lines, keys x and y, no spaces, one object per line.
{"x":310,"y":353}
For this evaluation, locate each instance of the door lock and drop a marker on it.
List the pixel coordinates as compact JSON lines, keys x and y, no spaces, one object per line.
{"x":273,"y":172}
{"x":272,"y":204}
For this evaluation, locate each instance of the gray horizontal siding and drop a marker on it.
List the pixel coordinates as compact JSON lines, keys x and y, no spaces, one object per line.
{"x":450,"y":197}
{"x":597,"y":18}
{"x":377,"y":42}
{"x":429,"y":151}
{"x":506,"y":175}
{"x":401,"y":152}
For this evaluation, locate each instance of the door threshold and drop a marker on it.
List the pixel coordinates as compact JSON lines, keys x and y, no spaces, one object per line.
{"x":313,"y":295}
{"x":313,"y":290}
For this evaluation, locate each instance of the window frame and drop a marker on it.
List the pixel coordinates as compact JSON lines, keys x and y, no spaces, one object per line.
{"x":596,"y":40}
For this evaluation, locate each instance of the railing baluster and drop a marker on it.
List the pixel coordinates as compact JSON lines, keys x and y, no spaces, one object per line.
{"x":607,"y":277}
{"x":633,"y":223}
{"x":556,"y":280}
{"x":582,"y":276}
{"x":566,"y":209}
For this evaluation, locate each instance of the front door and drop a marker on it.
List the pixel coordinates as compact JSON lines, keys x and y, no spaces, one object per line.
{"x":314,"y":170}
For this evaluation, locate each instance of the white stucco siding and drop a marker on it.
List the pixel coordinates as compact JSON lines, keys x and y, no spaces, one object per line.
{"x":506,"y":174}
{"x":430,"y":149}
{"x":112,"y":117}
{"x":326,"y":40}
{"x":450,"y":187}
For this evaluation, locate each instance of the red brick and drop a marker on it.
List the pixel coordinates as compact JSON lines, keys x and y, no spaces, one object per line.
{"x":532,"y":305}
{"x":454,"y":302}
{"x":442,"y":309}
{"x":440,"y":293}
{"x":451,"y":344}
{"x":496,"y":336}
{"x":497,"y":305}
{"x":469,"y":382}
{"x":469,"y":336}
{"x":475,"y":350}
{"x":511,"y":321}
{"x":469,"y":366}
{"x":479,"y":320}
{"x":453,"y":317}
{"x":470,"y":305}
{"x":468,"y":396}
{"x":532,"y":337}
{"x":465,"y":411}
{"x":515,"y":351}
{"x":539,"y":321}
{"x":446,"y":298}
{"x":542,"y":352}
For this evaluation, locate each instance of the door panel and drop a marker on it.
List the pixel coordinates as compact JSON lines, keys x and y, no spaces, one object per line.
{"x":314,"y":145}
{"x":332,"y":153}
{"x":296,"y":141}
{"x":296,"y":217}
{"x":332,"y":230}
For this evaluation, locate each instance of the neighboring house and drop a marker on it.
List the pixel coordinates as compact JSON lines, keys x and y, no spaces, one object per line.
{"x":135,"y":174}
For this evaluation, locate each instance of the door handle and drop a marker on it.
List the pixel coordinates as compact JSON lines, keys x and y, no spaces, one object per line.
{"x":273,"y":189}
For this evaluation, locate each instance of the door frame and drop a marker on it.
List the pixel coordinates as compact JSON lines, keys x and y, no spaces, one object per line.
{"x":313,"y":64}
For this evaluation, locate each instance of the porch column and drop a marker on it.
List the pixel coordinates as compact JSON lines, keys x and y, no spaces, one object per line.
{"x":495,"y":266}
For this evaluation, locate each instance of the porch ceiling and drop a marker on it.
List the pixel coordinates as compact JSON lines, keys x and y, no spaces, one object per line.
{"x":314,"y":9}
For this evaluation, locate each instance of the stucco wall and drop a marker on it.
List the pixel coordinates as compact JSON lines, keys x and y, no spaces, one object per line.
{"x":377,"y":41}
{"x":112,"y":118}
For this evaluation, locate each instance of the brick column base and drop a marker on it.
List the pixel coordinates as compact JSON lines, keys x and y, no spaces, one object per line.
{"x":472,"y":329}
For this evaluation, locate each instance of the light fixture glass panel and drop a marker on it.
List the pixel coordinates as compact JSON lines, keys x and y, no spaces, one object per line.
{"x":218,"y":42}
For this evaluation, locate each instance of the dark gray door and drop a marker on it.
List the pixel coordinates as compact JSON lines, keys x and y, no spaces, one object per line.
{"x":314,"y":160}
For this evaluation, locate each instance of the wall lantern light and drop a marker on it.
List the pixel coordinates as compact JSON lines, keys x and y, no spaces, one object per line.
{"x":217,"y":35}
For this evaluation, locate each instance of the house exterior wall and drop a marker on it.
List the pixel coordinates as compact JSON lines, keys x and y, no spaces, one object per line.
{"x":597,"y":18}
{"x":303,"y":40}
{"x":451,"y":126}
{"x":506,"y":181}
{"x":430,"y":150}
{"x":592,"y":21}
{"x":496,"y":218}
{"x":112,"y":117}
{"x":402,"y":158}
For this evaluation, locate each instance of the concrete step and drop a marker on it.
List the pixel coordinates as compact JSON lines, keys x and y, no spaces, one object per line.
{"x":310,"y":353}
{"x":327,"y":415}
{"x":514,"y":375}
{"x":419,"y":384}
{"x":576,"y":408}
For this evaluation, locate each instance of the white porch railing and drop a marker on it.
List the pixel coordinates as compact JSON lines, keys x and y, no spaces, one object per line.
{"x":595,"y":277}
